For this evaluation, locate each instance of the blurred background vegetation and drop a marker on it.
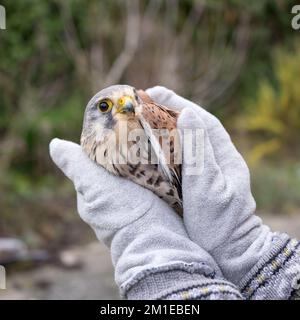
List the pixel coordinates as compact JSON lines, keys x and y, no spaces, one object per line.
{"x":239,"y":59}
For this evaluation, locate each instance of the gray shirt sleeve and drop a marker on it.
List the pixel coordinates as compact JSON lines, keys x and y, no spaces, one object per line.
{"x":277,"y":274}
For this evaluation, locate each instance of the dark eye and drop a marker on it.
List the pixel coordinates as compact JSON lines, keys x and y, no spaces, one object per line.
{"x":105,"y":105}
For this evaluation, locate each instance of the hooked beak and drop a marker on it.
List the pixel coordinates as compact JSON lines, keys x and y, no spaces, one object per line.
{"x":125,"y":105}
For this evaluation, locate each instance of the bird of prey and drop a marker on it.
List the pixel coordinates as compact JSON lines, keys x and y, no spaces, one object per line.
{"x":151,"y":156}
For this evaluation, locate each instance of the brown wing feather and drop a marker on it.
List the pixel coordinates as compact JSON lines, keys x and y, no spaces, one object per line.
{"x":162,"y":117}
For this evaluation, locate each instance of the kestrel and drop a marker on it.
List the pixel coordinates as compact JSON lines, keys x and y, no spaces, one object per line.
{"x":132,"y":136}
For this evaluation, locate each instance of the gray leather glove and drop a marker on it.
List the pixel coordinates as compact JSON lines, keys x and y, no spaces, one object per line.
{"x":143,"y":233}
{"x":219,"y":208}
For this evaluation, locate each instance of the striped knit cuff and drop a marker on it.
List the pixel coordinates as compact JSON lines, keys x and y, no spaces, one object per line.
{"x":277,"y":275}
{"x":182,"y":285}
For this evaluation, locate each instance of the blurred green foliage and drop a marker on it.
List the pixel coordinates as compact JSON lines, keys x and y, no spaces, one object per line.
{"x":274,"y":116}
{"x":275,"y":189}
{"x":55,"y":54}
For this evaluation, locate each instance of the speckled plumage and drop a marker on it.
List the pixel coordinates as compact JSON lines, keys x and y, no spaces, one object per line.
{"x":106,"y":140}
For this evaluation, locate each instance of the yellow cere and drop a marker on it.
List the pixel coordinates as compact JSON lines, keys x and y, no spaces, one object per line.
{"x":122,"y":101}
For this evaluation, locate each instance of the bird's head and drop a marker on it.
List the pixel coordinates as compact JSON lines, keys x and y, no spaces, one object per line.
{"x":108,"y":107}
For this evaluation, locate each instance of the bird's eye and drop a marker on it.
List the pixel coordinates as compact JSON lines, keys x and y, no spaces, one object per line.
{"x":105,"y":105}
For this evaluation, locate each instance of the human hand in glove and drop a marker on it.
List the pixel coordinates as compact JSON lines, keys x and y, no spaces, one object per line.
{"x":151,"y":252}
{"x":219,"y":210}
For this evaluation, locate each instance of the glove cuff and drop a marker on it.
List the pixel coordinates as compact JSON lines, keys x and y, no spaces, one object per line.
{"x":180,"y":284}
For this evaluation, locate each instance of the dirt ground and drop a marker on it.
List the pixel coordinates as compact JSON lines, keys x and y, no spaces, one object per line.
{"x":91,"y":276}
